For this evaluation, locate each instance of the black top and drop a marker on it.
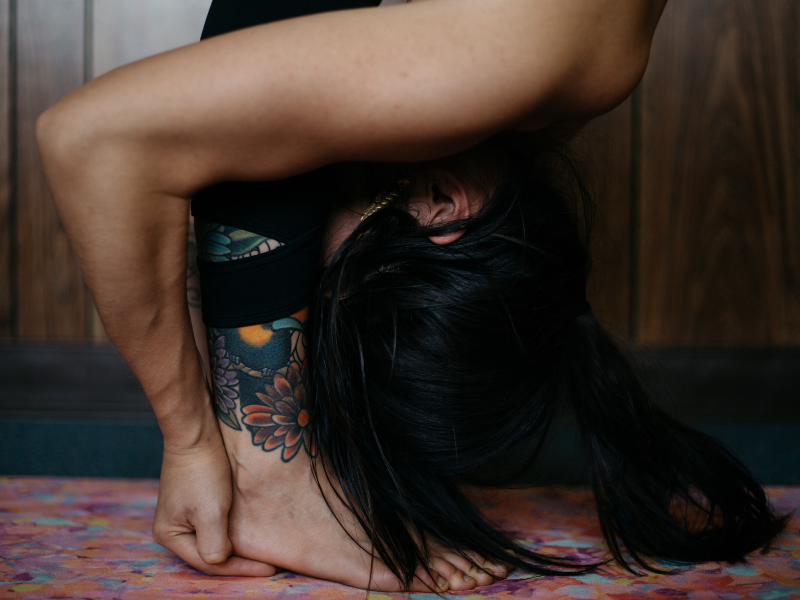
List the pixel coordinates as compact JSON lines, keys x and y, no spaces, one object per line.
{"x":278,"y":283}
{"x":230,"y":15}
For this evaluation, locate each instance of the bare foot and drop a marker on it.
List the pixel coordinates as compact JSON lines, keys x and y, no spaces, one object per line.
{"x":280,"y":517}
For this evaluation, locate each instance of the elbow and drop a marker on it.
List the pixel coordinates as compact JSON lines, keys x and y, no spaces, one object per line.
{"x":101,"y":136}
{"x":52,"y":135}
{"x":63,"y":137}
{"x":58,"y":132}
{"x":83,"y":149}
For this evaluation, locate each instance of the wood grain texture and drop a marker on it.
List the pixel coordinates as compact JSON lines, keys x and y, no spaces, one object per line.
{"x":700,"y":385}
{"x":124,"y":31}
{"x":604,"y":145}
{"x":719,"y":258}
{"x":6,"y":285}
{"x":128,"y":30}
{"x":49,"y":53}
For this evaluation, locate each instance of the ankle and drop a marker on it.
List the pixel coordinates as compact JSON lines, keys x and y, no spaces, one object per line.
{"x":257,"y":473}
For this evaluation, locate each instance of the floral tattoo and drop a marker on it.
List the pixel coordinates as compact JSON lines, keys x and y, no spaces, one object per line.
{"x":261,"y":368}
{"x":282,"y":419}
{"x":225,"y":383}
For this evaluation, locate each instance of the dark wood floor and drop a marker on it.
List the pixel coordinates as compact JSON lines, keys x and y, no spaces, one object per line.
{"x":70,"y":410}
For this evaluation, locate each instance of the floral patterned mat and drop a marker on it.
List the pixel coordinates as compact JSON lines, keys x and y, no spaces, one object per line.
{"x":90,"y":538}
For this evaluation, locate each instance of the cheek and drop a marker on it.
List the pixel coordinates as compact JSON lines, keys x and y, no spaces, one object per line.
{"x":341,"y":223}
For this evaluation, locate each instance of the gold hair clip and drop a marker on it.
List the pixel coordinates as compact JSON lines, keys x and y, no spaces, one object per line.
{"x":384,"y":199}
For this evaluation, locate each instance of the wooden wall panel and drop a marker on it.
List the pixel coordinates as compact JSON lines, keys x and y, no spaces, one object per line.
{"x":124,"y":31}
{"x":52,"y":297}
{"x":128,"y":30}
{"x":604,"y":144}
{"x":7,"y":324}
{"x":716,"y":243}
{"x":719,"y":257}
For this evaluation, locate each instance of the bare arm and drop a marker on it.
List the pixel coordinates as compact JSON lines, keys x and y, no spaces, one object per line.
{"x":407,"y":82}
{"x":123,"y":153}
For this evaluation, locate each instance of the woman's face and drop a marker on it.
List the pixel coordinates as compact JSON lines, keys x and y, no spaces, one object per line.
{"x":434,"y":196}
{"x":345,"y":213}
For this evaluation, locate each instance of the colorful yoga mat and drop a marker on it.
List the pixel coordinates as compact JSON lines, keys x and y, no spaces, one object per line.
{"x":90,"y":538}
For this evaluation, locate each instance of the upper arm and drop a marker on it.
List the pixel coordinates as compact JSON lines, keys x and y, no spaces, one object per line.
{"x":406,"y":82}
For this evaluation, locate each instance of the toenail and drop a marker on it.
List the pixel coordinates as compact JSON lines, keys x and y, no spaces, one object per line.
{"x":442,"y":583}
{"x":497,"y":570}
{"x":468,"y":579}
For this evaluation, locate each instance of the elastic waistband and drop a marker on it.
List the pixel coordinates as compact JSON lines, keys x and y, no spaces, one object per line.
{"x":262,"y":288}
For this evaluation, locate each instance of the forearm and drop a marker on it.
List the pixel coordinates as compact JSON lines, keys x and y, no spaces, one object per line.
{"x":132,"y":252}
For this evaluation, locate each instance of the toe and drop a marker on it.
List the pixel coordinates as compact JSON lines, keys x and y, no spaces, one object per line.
{"x":499,"y":570}
{"x":383,"y":580}
{"x":457,"y":580}
{"x":469,"y":566}
{"x":429,"y":582}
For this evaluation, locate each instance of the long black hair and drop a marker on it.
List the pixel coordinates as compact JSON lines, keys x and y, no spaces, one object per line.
{"x":431,"y":361}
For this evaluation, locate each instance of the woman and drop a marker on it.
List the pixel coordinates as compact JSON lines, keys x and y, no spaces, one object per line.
{"x":406,"y":83}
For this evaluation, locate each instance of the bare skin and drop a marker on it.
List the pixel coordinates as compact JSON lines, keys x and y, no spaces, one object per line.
{"x":280,"y":517}
{"x":410,"y":82}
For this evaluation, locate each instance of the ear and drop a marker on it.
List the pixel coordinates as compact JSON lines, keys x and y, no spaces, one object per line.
{"x":439,"y":198}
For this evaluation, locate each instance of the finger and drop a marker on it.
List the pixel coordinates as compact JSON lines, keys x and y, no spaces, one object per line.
{"x":213,"y":544}
{"x":185,"y":547}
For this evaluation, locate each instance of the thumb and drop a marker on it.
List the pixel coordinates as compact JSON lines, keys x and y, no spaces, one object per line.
{"x":213,"y":544}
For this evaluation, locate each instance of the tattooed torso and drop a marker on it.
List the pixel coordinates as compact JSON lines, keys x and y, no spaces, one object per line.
{"x":259,"y":371}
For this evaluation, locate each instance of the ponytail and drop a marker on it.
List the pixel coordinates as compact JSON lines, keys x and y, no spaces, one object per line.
{"x":662,"y":489}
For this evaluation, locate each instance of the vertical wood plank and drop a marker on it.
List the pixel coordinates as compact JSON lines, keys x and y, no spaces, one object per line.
{"x":720,"y":213}
{"x":124,"y":31}
{"x":49,"y":54}
{"x":128,"y":30}
{"x":604,"y":145}
{"x":6,"y":235}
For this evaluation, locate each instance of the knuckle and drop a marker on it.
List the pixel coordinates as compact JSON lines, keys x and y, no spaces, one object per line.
{"x":159,"y":534}
{"x":211,"y":515}
{"x":214,"y":558}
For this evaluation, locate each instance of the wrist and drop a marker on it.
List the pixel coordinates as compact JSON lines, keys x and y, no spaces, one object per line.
{"x":188,"y":423}
{"x":197,"y":433}
{"x":186,"y":417}
{"x":181,"y":400}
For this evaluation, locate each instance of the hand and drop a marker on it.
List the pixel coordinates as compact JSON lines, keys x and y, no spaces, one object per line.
{"x":191,"y":519}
